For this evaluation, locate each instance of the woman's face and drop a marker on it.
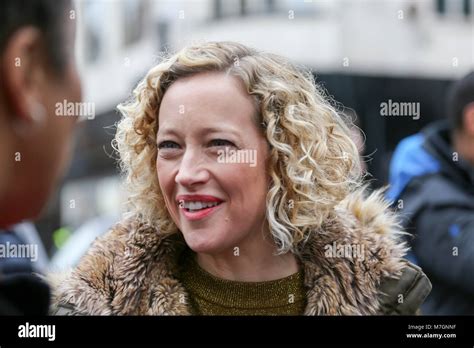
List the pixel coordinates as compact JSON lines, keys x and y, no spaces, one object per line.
{"x":211,"y":162}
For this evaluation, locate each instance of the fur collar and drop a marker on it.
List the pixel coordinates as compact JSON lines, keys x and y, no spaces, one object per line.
{"x":132,"y":269}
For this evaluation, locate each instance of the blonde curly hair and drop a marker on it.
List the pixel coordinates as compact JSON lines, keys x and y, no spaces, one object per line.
{"x":313,"y":162}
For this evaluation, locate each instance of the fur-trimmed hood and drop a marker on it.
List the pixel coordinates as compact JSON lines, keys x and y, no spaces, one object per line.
{"x":131,"y":270}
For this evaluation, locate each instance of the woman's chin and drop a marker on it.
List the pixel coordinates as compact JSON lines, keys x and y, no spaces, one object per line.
{"x":205,"y":246}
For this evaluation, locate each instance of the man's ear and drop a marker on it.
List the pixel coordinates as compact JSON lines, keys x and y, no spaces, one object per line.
{"x":468,"y":119}
{"x":22,"y":68}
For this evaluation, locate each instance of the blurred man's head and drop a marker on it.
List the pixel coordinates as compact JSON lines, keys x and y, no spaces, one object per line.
{"x":460,"y":108}
{"x":37,"y":70}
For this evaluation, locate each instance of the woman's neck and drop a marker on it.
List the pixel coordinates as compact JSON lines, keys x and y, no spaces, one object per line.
{"x":253,"y":264}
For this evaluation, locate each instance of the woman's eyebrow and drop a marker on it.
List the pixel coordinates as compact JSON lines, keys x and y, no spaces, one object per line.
{"x":207,"y":130}
{"x":166,"y":131}
{"x":202,"y":131}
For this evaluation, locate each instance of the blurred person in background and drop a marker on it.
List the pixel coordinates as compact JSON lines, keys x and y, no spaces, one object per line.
{"x":432,"y":184}
{"x":37,"y":70}
{"x":289,"y":233}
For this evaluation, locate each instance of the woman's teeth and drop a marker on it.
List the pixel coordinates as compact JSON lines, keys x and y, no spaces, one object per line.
{"x":193,"y":206}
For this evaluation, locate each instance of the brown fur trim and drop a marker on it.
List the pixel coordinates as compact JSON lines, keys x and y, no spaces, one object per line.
{"x":132,"y":269}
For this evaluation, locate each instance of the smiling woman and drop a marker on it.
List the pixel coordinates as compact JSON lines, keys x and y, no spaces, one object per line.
{"x":208,"y":233}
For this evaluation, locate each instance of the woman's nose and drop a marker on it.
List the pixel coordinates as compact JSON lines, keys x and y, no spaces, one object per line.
{"x":191,"y":169}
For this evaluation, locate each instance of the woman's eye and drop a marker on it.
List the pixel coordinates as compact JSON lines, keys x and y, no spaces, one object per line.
{"x":221,"y":142}
{"x":167,"y":145}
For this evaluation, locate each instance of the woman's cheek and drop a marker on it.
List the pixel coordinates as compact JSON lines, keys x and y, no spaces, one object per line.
{"x":166,"y":184}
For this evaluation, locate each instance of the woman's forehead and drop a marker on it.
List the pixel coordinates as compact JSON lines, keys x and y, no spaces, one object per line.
{"x":207,"y":99}
{"x":204,"y":86}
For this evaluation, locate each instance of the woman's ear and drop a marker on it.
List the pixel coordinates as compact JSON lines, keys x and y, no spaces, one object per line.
{"x":22,"y":74}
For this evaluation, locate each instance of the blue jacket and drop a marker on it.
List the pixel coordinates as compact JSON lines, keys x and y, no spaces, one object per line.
{"x":433,"y":189}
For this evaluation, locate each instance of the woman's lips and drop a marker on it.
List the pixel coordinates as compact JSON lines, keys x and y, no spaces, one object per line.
{"x":199,"y":214}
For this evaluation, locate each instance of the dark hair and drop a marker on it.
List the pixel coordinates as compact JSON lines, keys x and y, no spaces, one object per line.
{"x":49,"y":16}
{"x":460,"y":94}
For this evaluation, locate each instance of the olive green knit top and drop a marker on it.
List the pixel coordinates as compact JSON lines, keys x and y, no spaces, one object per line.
{"x":210,"y":295}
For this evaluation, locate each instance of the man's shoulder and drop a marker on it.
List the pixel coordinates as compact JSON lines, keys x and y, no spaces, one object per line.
{"x":23,"y":294}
